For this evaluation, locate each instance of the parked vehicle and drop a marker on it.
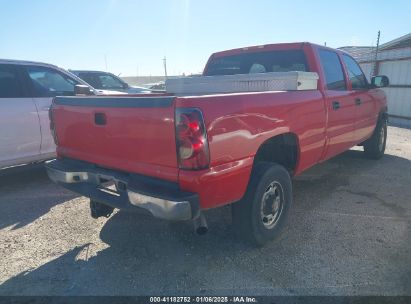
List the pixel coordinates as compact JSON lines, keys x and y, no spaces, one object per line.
{"x":158,"y":86}
{"x":108,"y":81}
{"x":176,"y":156}
{"x":26,"y":92}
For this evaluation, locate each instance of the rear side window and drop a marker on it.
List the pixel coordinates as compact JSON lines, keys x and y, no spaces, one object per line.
{"x":334,"y":75}
{"x":10,"y":86}
{"x":47,"y":82}
{"x":258,"y":62}
{"x":357,"y":77}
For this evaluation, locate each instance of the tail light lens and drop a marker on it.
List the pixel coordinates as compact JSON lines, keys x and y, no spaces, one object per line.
{"x":52,"y":126}
{"x":191,"y":138}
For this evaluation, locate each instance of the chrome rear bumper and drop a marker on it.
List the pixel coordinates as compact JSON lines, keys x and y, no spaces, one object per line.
{"x":162,"y":199}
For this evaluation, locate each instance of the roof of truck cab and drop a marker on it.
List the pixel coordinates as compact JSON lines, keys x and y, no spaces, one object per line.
{"x":268,"y":47}
{"x":265,"y":47}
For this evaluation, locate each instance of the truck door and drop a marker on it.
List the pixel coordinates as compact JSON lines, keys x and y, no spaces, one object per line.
{"x":365,"y":107}
{"x":341,"y":110}
{"x":46,"y":83}
{"x":19,"y":123}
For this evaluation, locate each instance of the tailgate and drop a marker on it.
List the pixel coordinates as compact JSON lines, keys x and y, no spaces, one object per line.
{"x":132,"y":134}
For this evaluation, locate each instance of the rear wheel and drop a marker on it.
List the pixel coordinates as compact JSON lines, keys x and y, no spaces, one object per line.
{"x":261,"y":213}
{"x":374,"y":147}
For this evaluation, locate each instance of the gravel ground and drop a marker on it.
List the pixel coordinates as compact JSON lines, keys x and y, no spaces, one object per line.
{"x":348,"y":234}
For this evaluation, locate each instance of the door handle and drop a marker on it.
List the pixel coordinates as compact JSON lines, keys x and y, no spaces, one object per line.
{"x":46,"y":108}
{"x":358,"y":101}
{"x":336,"y":105}
{"x":100,"y":119}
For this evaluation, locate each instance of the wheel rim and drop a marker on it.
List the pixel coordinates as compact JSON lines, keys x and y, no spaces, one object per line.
{"x":381,"y":139}
{"x":272,"y":205}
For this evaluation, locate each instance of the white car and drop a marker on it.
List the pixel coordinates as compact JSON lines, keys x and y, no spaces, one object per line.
{"x":26,"y":92}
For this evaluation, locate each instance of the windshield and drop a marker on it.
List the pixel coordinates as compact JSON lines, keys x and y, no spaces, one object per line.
{"x":102,"y":81}
{"x":258,"y":62}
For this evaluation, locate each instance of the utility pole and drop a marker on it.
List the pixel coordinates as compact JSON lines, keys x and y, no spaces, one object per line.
{"x":374,"y":69}
{"x":165,"y":66}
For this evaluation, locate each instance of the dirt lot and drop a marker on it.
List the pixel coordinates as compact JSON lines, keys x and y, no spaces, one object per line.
{"x":348,"y":233}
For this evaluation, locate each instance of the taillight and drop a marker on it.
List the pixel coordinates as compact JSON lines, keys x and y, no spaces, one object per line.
{"x":52,"y":126}
{"x":191,"y":138}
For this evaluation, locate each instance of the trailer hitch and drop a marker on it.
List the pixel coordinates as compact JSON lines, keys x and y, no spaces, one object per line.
{"x":100,"y":210}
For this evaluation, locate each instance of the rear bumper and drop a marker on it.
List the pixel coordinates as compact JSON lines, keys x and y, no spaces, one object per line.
{"x":161,"y":198}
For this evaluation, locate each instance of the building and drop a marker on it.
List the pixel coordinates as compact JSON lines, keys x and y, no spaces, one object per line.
{"x":393,"y":60}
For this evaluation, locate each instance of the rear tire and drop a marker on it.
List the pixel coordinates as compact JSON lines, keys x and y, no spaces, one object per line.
{"x":260,"y":215}
{"x":374,"y":147}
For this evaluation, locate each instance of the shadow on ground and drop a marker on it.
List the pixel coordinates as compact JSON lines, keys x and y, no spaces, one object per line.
{"x":315,"y":255}
{"x":18,"y":203}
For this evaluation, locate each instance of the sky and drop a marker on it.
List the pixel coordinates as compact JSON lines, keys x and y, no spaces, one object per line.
{"x":131,"y":38}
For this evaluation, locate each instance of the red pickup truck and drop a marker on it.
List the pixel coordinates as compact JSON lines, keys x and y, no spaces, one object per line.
{"x":176,"y":156}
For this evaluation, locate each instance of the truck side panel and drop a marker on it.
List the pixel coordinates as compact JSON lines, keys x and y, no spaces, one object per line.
{"x":238,"y":124}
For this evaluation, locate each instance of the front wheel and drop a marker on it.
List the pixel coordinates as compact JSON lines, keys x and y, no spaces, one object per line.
{"x":261,"y":213}
{"x":374,"y":147}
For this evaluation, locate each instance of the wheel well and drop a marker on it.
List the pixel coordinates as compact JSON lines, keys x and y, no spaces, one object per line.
{"x":281,"y":149}
{"x":383,"y":114}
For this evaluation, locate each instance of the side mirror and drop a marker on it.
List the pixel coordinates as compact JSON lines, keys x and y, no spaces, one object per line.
{"x":380,"y":81}
{"x":81,"y":89}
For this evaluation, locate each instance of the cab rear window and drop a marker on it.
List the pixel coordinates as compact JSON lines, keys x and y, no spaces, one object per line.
{"x":258,"y":62}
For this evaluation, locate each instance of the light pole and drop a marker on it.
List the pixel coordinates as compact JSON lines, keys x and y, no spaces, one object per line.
{"x":165,"y":66}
